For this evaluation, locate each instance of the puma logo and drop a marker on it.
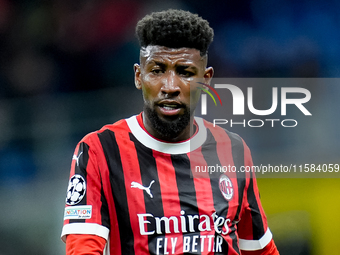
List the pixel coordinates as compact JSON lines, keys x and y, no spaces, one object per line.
{"x":77,"y":158}
{"x":140,"y":186}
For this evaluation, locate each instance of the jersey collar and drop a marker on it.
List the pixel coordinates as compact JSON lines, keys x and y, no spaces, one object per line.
{"x":170,"y":148}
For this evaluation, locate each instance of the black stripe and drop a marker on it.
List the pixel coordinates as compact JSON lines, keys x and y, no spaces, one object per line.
{"x":258,"y":229}
{"x":209,"y":151}
{"x":154,"y":205}
{"x":237,"y":149}
{"x":104,"y":210}
{"x":185,"y":184}
{"x":81,"y":169}
{"x":113,"y":159}
{"x":187,"y":193}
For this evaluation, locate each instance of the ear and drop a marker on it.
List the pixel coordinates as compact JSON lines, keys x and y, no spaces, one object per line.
{"x":137,"y":71}
{"x":208,"y":74}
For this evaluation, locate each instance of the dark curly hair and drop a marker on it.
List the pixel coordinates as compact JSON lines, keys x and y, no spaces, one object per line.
{"x":175,"y":29}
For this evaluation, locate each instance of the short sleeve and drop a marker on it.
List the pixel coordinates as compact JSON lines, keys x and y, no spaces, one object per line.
{"x":85,"y":211}
{"x":253,"y":230}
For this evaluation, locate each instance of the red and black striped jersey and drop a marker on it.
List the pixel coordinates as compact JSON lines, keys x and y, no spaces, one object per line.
{"x":147,"y":196}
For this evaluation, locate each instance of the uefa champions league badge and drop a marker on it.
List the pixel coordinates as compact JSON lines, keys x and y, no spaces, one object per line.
{"x":226,"y":187}
{"x":76,"y":190}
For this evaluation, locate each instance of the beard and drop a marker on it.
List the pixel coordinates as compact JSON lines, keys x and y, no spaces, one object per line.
{"x":168,"y":128}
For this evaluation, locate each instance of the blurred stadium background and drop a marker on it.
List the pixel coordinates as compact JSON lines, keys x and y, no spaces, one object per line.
{"x":67,"y":69}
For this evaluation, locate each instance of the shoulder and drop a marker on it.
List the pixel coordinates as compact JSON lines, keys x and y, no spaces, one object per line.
{"x":222,"y":135}
{"x":109,"y":129}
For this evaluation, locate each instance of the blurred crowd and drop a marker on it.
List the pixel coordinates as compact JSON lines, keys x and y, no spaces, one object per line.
{"x":62,"y":46}
{"x":53,"y":47}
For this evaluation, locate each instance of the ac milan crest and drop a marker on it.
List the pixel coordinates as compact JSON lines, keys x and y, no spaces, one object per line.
{"x":226,"y":187}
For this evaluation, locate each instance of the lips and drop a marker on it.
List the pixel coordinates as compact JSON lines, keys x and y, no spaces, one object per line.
{"x":169,"y":107}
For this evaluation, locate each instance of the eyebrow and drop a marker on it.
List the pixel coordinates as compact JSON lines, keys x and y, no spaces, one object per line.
{"x":158,"y":63}
{"x":183,"y":66}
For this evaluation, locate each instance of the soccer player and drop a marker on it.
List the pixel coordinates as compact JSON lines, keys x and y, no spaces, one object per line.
{"x":133,"y":187}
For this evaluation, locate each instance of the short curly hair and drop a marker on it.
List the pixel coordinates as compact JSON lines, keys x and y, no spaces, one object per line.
{"x":175,"y":29}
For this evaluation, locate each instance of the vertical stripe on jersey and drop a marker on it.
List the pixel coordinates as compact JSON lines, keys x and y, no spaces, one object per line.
{"x":113,"y":159}
{"x":186,"y":192}
{"x":94,"y":187}
{"x":258,"y":230}
{"x":185,"y":184}
{"x":74,"y":162}
{"x":108,"y":209}
{"x":205,"y":201}
{"x":72,"y":172}
{"x":230,"y":151}
{"x":216,"y":153}
{"x":80,"y":167}
{"x":238,"y":157}
{"x":169,"y":194}
{"x":149,"y":176}
{"x":104,"y":208}
{"x":134,"y":191}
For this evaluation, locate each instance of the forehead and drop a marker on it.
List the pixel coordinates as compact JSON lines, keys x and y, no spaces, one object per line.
{"x":161,"y":53}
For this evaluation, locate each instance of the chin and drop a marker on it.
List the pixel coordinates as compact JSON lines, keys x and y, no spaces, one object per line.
{"x":169,"y":126}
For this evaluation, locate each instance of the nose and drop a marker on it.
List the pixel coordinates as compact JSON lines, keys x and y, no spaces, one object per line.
{"x":171,"y":84}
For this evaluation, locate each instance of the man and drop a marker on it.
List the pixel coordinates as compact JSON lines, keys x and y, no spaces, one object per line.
{"x":133,"y":188}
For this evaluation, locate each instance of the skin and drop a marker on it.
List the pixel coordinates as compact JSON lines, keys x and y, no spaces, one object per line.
{"x":164,"y":76}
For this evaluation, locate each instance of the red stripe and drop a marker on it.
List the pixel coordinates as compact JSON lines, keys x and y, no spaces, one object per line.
{"x":72,"y":172}
{"x":204,"y":196}
{"x":115,"y":242}
{"x":224,"y":152}
{"x":246,"y":225}
{"x":169,"y":194}
{"x":248,"y":162}
{"x":135,"y":197}
{"x":73,"y":164}
{"x":93,"y":188}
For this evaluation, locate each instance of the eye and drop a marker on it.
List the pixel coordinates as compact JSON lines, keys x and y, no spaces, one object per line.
{"x":183,"y":71}
{"x":157,"y":71}
{"x":186,"y":73}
